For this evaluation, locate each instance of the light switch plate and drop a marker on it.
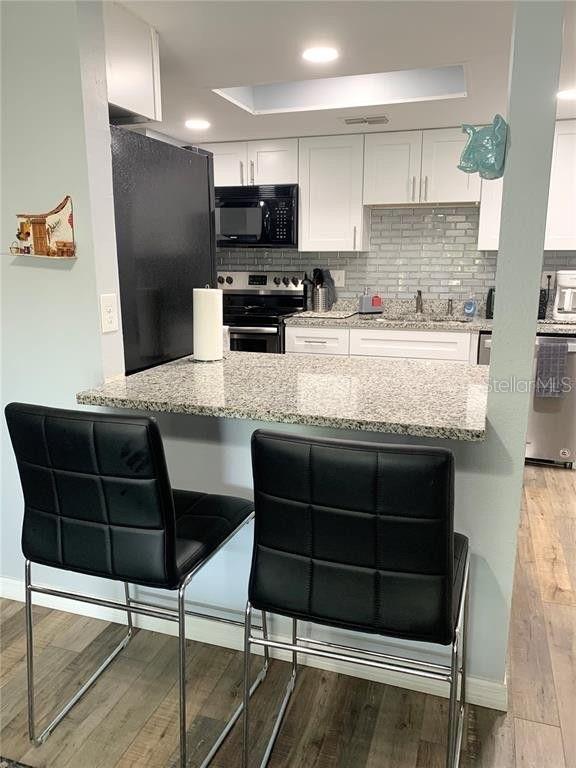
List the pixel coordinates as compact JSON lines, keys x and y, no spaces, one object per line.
{"x":108,"y":312}
{"x":339,"y":277}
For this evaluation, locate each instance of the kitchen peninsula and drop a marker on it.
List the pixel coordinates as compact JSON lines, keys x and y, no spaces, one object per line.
{"x":423,"y":398}
{"x":207,"y":413}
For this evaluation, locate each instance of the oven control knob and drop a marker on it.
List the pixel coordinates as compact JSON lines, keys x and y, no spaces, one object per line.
{"x":220,"y":279}
{"x":277,"y":281}
{"x":286,"y":280}
{"x":229,"y":280}
{"x":295,"y":281}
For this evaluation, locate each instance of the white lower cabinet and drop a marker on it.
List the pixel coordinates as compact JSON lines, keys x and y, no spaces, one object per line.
{"x":318,"y":341}
{"x":376,"y":342}
{"x":428,"y":345}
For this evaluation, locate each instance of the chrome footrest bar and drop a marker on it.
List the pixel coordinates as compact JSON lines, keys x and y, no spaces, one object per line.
{"x":156,"y":613}
{"x":376,"y":654}
{"x":416,"y":672}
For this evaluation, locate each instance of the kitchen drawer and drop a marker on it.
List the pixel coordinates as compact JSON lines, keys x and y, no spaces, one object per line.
{"x":318,"y":341}
{"x":432,"y":345}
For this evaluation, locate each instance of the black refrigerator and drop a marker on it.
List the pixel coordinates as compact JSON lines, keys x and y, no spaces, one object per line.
{"x":164,"y":210}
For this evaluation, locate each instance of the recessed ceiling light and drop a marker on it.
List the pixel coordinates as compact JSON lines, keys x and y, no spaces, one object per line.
{"x":197,"y":125}
{"x":567,"y":95}
{"x":320,"y":55}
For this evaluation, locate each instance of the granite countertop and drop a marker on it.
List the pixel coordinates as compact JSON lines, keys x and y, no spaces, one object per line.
{"x":424,"y":398}
{"x":425,"y":322}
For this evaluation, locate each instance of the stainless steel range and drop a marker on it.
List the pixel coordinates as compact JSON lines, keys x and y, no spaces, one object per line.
{"x":255,"y":305}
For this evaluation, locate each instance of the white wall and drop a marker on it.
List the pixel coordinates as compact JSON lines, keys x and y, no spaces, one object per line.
{"x":51,"y":341}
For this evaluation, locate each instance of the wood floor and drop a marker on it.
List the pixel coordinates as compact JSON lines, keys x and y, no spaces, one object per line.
{"x":129,"y":718}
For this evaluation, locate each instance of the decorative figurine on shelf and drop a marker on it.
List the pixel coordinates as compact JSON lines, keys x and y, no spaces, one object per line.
{"x":485,"y":150}
{"x":48,"y":234}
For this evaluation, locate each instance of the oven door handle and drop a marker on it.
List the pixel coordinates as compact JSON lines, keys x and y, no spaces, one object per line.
{"x":236,"y":329}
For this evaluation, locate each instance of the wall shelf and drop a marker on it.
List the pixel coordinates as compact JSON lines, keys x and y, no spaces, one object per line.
{"x":39,"y":256}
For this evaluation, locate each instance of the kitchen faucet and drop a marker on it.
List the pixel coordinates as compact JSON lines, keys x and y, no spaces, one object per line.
{"x":419,"y":304}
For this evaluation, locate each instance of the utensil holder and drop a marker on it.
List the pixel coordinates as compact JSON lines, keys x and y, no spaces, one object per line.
{"x":319,"y":299}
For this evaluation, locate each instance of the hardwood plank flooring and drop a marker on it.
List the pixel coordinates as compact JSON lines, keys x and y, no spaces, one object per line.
{"x":129,"y":719}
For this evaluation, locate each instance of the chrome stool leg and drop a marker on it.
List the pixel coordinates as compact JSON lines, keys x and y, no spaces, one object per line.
{"x":37,"y":740}
{"x":285,"y":700}
{"x":233,"y":720}
{"x":452,"y":707}
{"x":246,"y":723}
{"x":182,"y":672}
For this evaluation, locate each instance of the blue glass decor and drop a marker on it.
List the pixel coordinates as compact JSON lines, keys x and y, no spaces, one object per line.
{"x":485,"y":149}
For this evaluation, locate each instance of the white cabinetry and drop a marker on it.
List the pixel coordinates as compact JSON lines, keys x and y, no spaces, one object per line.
{"x":392,"y":163}
{"x":331,"y":182}
{"x":441,"y":181}
{"x":417,"y":167}
{"x":273,"y":162}
{"x":489,"y":222}
{"x":319,"y":341}
{"x":132,"y":63}
{"x":561,"y":219}
{"x":243,"y":163}
{"x":429,"y":345}
{"x":230,"y":163}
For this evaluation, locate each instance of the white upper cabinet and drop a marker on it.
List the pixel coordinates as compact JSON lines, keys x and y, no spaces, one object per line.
{"x":132,"y":63}
{"x":330,"y":177}
{"x":441,"y":181}
{"x":561,"y":219}
{"x":230,"y":163}
{"x":417,"y":167}
{"x":392,"y":167}
{"x":273,"y":162}
{"x":244,"y":163}
{"x":489,"y":223}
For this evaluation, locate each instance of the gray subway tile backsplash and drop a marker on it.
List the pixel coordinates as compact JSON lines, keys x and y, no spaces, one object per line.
{"x":431,"y":249}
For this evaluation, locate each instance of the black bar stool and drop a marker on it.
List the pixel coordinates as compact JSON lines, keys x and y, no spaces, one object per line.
{"x":98,"y":501}
{"x":359,"y":536}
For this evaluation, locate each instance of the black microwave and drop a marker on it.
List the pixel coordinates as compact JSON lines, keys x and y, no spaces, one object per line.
{"x":257,"y":217}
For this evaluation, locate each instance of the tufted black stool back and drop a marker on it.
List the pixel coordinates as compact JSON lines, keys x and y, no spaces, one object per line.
{"x":356,"y":535}
{"x":96,"y":493}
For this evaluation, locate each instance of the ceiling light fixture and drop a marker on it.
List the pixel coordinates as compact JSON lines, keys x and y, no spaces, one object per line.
{"x":567,"y":95}
{"x":197,"y":125}
{"x":320,"y":55}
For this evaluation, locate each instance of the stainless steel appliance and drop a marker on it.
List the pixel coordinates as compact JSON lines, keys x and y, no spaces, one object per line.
{"x":552,"y":421}
{"x":565,"y":301}
{"x":255,"y":306}
{"x":257,"y":217}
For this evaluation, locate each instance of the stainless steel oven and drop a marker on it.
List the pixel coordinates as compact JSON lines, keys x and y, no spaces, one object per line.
{"x":255,"y":305}
{"x":256,"y":339}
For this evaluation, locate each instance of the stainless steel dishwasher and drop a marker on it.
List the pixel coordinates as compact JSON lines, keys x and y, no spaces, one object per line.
{"x":552,"y":420}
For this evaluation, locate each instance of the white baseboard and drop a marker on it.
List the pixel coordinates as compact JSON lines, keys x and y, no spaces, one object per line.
{"x":484,"y":693}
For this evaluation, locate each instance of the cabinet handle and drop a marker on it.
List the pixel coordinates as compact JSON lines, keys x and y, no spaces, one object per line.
{"x":315,"y":341}
{"x":252,"y":171}
{"x":354,"y":246}
{"x":413,"y":189}
{"x":426,"y":189}
{"x":241,"y":173}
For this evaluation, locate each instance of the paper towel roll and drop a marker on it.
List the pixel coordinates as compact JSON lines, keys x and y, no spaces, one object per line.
{"x":207,"y":324}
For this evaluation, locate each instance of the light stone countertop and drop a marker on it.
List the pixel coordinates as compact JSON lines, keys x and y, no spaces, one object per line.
{"x":425,"y":398}
{"x":412,"y":322}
